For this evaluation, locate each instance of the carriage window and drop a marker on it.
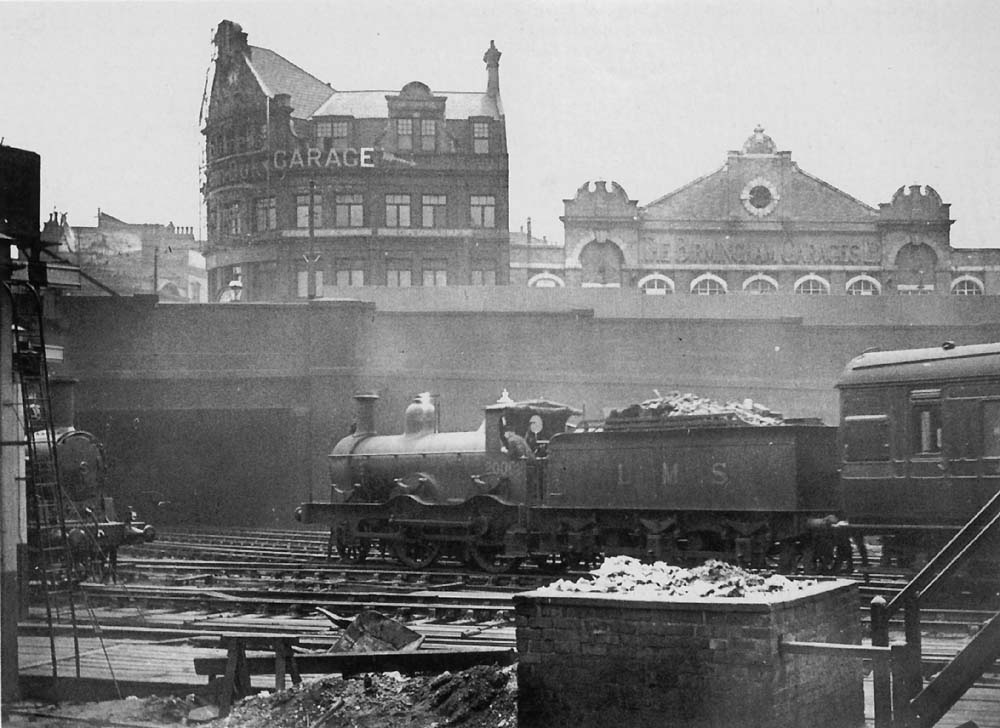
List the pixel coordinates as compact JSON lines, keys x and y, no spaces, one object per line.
{"x":991,"y":429}
{"x":866,"y":438}
{"x":927,"y":429}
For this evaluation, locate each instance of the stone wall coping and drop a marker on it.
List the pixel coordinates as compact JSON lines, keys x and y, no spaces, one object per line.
{"x":763,"y":602}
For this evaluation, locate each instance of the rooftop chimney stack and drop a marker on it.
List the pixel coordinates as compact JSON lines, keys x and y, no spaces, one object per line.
{"x":230,"y":39}
{"x":492,"y":60}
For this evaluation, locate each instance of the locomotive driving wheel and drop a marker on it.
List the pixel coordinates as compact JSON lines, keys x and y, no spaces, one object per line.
{"x":416,"y":553}
{"x":489,"y":558}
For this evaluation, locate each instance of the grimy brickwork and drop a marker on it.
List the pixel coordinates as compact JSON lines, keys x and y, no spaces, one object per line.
{"x":612,"y":661}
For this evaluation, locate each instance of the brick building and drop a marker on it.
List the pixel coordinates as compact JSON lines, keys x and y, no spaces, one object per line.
{"x":758,"y":225}
{"x":129,"y":258}
{"x":310,"y":190}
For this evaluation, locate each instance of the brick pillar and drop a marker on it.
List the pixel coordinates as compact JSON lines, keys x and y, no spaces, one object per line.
{"x":602,"y":660}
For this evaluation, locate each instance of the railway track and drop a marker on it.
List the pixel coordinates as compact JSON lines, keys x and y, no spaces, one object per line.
{"x":278,"y":571}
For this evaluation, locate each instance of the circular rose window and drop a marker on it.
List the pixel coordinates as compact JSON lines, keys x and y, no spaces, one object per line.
{"x":759,"y":197}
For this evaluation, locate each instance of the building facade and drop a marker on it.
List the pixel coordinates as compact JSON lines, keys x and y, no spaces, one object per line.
{"x":759,"y":225}
{"x":126,"y":258}
{"x":310,"y":190}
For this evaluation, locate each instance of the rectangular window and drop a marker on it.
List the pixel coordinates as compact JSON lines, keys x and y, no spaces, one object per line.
{"x":925,"y":421}
{"x":341,"y":130}
{"x":397,"y":211}
{"x":866,"y":438}
{"x":211,"y":217}
{"x":303,"y":284}
{"x":398,"y":275}
{"x":350,"y":275}
{"x":302,"y":210}
{"x":483,"y":211}
{"x":481,"y":137}
{"x":265,"y":214}
{"x":231,"y":219}
{"x":404,"y":134}
{"x":434,"y":211}
{"x":324,"y":133}
{"x":435,"y":273}
{"x":350,"y":210}
{"x":484,"y":277}
{"x":428,"y":135}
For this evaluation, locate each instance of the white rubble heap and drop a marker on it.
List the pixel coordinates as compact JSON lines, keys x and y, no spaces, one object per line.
{"x":676,"y":404}
{"x":632,"y":578}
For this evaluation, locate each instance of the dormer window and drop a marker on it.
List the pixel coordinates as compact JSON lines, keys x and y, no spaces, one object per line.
{"x":333,"y":134}
{"x":404,"y":135}
{"x":324,"y":133}
{"x":341,"y":130}
{"x":481,"y":137}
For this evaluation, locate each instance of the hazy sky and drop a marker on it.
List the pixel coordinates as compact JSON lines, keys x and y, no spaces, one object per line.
{"x":866,"y":95}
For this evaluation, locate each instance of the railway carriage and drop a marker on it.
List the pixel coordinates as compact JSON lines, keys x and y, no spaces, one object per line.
{"x":920,"y":443}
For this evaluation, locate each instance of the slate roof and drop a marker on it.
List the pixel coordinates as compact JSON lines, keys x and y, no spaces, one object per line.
{"x":312,"y":97}
{"x":276,"y":75}
{"x":372,"y":104}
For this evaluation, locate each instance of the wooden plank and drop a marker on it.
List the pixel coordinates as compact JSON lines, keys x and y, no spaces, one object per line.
{"x":831,"y":649}
{"x":353,"y":663}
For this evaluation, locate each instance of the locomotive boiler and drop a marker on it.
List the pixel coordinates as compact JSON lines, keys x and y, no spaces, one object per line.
{"x":526,"y":486}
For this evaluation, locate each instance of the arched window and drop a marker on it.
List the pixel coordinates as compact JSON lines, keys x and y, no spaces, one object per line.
{"x":656,"y":284}
{"x":967,"y":286}
{"x":709,"y":284}
{"x":760,"y":284}
{"x":863,"y":286}
{"x":546,"y":280}
{"x":812,"y":284}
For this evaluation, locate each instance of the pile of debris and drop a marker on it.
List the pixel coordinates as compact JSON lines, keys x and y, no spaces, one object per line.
{"x":630,"y":577}
{"x":676,"y":404}
{"x":479,"y":697}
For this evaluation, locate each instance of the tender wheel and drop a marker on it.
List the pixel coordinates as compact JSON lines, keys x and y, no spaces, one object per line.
{"x":416,"y":554}
{"x":785,"y":558}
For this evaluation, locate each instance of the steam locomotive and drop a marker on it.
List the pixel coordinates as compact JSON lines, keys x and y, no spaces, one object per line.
{"x":95,"y":525}
{"x":916,"y":454}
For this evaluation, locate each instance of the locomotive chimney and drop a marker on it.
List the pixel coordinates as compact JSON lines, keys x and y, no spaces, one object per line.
{"x":365,"y":417}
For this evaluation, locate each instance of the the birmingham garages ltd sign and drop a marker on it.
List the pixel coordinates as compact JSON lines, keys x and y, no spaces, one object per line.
{"x":260,"y":166}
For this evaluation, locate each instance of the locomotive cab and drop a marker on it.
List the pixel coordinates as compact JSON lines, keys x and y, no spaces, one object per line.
{"x":518,"y":433}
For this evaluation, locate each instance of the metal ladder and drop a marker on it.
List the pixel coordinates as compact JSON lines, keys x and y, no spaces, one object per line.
{"x":50,"y":556}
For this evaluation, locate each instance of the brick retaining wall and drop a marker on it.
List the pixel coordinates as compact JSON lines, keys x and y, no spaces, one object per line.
{"x":604,"y":660}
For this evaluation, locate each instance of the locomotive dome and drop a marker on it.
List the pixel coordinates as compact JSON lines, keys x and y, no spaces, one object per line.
{"x":419,"y":416}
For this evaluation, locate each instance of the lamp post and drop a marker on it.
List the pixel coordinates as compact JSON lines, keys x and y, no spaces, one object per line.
{"x":311,"y":257}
